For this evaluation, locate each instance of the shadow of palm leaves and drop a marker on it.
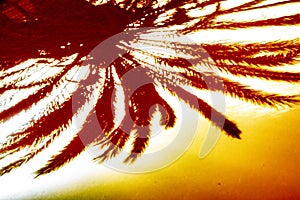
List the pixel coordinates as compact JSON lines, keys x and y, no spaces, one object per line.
{"x":52,"y":31}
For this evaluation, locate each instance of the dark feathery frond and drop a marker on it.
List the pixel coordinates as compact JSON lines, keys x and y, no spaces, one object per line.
{"x":45,"y":44}
{"x":240,"y":70}
{"x":105,"y":118}
{"x":58,"y":119}
{"x":34,"y":98}
{"x":280,"y":21}
{"x":257,"y":97}
{"x":84,"y":137}
{"x":114,"y":143}
{"x":207,"y":111}
{"x":268,"y":54}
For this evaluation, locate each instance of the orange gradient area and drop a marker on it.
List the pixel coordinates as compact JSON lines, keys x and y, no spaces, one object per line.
{"x":264,"y":164}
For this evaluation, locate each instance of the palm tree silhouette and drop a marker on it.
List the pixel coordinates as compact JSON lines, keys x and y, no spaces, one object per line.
{"x":51,"y":31}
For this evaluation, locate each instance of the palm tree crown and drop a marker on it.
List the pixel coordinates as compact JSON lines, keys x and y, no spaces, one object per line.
{"x":60,"y":35}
